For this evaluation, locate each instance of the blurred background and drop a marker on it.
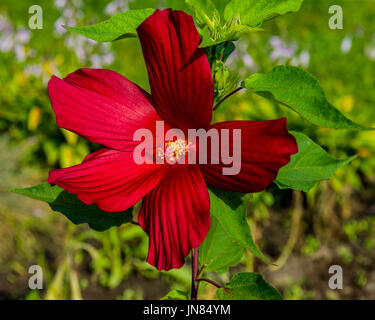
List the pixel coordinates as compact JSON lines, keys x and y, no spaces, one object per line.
{"x":304,"y":234}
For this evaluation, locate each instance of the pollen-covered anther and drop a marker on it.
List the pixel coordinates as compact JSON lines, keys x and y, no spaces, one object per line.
{"x":174,"y":150}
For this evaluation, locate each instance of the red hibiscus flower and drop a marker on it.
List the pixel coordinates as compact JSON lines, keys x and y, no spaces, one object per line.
{"x":106,"y":108}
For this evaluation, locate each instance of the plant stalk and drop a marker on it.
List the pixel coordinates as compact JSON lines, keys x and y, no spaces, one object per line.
{"x":209,"y":281}
{"x":194,"y":275}
{"x":226,"y":97}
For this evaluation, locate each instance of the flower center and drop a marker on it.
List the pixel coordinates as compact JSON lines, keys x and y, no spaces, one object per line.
{"x":174,"y":150}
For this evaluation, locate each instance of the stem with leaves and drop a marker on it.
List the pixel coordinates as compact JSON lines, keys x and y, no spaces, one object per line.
{"x":196,"y":272}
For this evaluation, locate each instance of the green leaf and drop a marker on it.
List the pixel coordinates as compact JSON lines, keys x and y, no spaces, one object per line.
{"x":219,"y":251}
{"x":248,"y":286}
{"x":254,"y":12}
{"x":205,"y":13}
{"x":223,"y":51}
{"x":122,"y":25}
{"x":225,"y":81}
{"x":208,"y":22}
{"x":210,"y":28}
{"x":208,"y":41}
{"x":229,"y":210}
{"x":176,"y":295}
{"x":75,"y":210}
{"x":310,"y":165}
{"x":301,"y":92}
{"x":232,"y":33}
{"x":239,"y":30}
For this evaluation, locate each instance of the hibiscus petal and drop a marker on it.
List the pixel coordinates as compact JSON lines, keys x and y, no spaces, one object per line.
{"x":176,"y":216}
{"x":179,"y":72}
{"x":266,"y":146}
{"x":102,"y":106}
{"x":109,"y":178}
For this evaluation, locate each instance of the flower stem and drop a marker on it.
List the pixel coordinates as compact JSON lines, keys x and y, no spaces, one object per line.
{"x":226,"y":97}
{"x":195,"y":271}
{"x":209,"y":281}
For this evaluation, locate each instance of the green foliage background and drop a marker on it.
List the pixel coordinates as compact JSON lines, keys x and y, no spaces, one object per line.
{"x":332,"y":224}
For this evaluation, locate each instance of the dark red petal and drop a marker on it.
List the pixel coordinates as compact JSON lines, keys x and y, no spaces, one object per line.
{"x":109,"y":178}
{"x":176,"y":216}
{"x":179,"y":72}
{"x":266,"y":146}
{"x":102,"y":106}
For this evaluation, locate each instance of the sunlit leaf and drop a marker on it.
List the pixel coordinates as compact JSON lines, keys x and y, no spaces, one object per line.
{"x":231,"y":33}
{"x":75,"y":210}
{"x":254,"y":12}
{"x":121,"y":25}
{"x":310,"y":165}
{"x":205,"y":13}
{"x":228,"y":210}
{"x":301,"y":92}
{"x":248,"y":286}
{"x":219,"y":251}
{"x":176,"y":295}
